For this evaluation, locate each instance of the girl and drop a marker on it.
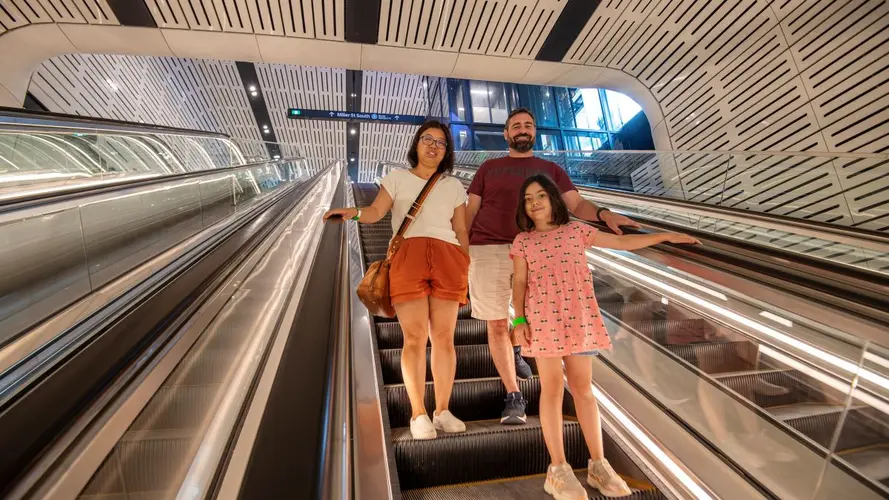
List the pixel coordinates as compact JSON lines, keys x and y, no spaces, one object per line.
{"x":429,"y":274}
{"x":553,"y":289}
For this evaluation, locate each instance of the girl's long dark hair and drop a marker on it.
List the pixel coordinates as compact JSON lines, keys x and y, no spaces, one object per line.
{"x":559,"y":209}
{"x":447,"y":163}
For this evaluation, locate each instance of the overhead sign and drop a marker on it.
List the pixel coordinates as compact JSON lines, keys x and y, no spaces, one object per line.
{"x":320,"y":114}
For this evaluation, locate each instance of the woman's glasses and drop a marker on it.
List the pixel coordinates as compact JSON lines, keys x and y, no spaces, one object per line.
{"x":428,"y":140}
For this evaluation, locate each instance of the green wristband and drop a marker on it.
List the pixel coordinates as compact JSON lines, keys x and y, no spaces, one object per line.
{"x":357,"y":215}
{"x":519,"y":321}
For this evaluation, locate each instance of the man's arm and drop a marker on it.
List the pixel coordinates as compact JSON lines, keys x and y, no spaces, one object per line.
{"x":583,"y":208}
{"x":475,"y":203}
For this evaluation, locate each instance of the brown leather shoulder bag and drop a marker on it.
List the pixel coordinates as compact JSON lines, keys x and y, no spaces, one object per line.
{"x":373,"y":291}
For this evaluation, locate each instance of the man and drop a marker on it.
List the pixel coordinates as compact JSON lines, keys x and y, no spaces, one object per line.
{"x":493,"y":198}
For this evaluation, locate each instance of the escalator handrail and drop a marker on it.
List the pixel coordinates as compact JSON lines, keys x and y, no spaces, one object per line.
{"x":98,"y":124}
{"x":35,"y":199}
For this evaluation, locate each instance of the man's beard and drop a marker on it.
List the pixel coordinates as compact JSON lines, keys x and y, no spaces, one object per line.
{"x":523,"y":146}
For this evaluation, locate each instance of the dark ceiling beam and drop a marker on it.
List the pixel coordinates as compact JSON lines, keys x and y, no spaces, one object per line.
{"x":571,"y":22}
{"x":353,"y":129}
{"x":257,"y":104}
{"x":362,"y":21}
{"x":132,"y":13}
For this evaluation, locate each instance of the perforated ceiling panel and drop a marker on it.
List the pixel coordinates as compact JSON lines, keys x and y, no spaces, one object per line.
{"x":18,"y":13}
{"x":795,"y":75}
{"x":323,"y":19}
{"x":509,"y":28}
{"x":286,"y":86}
{"x":185,"y":93}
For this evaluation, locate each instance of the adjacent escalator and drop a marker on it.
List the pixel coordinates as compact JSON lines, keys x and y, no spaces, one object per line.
{"x":489,"y":460}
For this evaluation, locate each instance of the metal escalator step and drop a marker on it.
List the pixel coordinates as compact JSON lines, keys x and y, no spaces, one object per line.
{"x":872,"y":461}
{"x":473,"y":361}
{"x":514,"y":488}
{"x":144,"y":461}
{"x":819,"y":422}
{"x":465,"y":312}
{"x":177,"y":407}
{"x":473,"y":399}
{"x":210,"y":366}
{"x":677,"y":331}
{"x":718,"y":357}
{"x":763,"y":387}
{"x":634,"y":312}
{"x":487,"y":450}
{"x":467,"y":332}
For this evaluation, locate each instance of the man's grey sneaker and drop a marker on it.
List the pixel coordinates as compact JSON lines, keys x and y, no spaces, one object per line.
{"x":514,"y":413}
{"x":522,"y":370}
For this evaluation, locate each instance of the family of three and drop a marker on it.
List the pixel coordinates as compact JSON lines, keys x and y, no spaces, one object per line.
{"x":511,"y":241}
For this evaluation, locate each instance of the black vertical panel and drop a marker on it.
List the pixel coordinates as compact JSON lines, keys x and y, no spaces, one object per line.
{"x":362,"y":21}
{"x":353,"y":103}
{"x":132,"y":13}
{"x":257,"y":104}
{"x":571,"y":22}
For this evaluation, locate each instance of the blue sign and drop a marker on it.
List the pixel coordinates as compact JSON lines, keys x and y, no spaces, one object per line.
{"x":320,"y":114}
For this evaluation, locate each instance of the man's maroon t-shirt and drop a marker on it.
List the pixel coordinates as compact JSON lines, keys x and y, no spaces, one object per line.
{"x":498,"y":182}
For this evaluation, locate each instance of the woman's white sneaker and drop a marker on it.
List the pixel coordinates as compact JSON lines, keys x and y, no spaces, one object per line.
{"x":422,"y":428}
{"x":447,"y":422}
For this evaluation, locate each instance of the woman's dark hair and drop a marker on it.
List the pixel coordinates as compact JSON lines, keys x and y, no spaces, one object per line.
{"x":559,"y":209}
{"x":447,"y":163}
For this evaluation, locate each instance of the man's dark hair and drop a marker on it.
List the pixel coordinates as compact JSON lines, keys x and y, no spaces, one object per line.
{"x":519,"y":111}
{"x":447,"y":162}
{"x":560,"y":214}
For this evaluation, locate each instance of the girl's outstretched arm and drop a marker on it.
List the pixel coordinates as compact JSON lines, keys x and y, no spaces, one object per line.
{"x":519,"y":284}
{"x":637,"y":241}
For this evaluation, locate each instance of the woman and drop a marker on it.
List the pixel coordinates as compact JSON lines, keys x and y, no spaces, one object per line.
{"x":429,"y":274}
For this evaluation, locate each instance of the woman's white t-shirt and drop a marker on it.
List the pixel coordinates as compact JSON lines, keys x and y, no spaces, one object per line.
{"x":435,"y":216}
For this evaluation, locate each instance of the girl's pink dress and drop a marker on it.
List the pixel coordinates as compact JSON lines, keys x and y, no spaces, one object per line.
{"x":560,"y":305}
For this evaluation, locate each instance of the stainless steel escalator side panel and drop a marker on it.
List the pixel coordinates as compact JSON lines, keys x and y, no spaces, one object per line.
{"x":372,"y":471}
{"x":250,"y":301}
{"x":58,"y":254}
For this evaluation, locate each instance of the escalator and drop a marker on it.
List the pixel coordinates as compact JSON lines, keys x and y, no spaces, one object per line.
{"x":489,"y":460}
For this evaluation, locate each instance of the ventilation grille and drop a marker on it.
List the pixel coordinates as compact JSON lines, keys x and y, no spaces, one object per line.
{"x":323,"y":19}
{"x":286,"y":86}
{"x":509,"y":28}
{"x":18,"y":13}
{"x":795,"y":75}
{"x":383,"y":142}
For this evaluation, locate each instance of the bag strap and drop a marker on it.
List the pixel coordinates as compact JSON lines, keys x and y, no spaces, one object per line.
{"x":418,"y":204}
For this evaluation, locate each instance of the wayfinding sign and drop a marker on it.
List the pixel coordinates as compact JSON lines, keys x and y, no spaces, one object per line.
{"x":322,"y":114}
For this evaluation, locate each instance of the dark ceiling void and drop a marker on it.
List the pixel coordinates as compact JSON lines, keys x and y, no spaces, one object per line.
{"x":353,"y":129}
{"x":362,"y":19}
{"x":571,"y":22}
{"x":132,"y":13}
{"x":260,"y":110}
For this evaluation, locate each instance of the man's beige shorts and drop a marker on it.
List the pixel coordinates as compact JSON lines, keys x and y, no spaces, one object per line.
{"x":490,"y":281}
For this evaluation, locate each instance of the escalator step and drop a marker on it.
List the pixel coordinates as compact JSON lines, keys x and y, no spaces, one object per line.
{"x":718,"y":357}
{"x":473,"y":361}
{"x":872,"y":461}
{"x":468,"y":332}
{"x":465,"y":312}
{"x":521,"y":488}
{"x":677,"y":331}
{"x":634,"y":312}
{"x":819,"y":422}
{"x":177,"y":407}
{"x":473,"y":399}
{"x":210,"y":366}
{"x":487,"y":450}
{"x":764,"y":387}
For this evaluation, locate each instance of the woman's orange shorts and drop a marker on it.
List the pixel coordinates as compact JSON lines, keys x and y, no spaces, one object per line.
{"x":427,"y":266}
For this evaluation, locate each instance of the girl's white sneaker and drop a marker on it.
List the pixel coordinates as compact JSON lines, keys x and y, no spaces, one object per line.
{"x":562,"y":484}
{"x":447,"y":422}
{"x":601,"y":476}
{"x":422,"y":428}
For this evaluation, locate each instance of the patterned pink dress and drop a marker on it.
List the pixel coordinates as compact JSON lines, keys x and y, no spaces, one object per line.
{"x":560,"y":305}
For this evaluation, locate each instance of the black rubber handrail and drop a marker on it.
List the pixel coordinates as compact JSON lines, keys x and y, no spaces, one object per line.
{"x":75,"y":192}
{"x":99,"y":122}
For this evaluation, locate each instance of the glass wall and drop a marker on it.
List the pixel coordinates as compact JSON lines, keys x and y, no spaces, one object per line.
{"x":567,"y":118}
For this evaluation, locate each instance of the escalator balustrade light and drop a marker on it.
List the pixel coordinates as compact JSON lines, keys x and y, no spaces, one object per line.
{"x":777,"y":319}
{"x":732,"y":316}
{"x":673,"y":277}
